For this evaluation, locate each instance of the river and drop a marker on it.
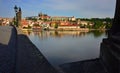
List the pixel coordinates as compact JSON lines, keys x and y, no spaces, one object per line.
{"x":61,"y":47}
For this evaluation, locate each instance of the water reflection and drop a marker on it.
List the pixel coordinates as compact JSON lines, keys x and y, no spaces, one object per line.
{"x":98,"y":33}
{"x":60,"y":34}
{"x":67,"y":46}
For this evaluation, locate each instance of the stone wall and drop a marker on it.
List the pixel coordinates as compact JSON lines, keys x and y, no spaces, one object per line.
{"x":5,"y":34}
{"x":8,"y":45}
{"x":110,"y":55}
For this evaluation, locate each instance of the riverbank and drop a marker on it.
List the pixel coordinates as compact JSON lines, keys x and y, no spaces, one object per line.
{"x":67,"y":29}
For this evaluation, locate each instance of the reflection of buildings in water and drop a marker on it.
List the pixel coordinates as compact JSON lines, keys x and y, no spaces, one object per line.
{"x":27,"y":32}
{"x":36,"y":33}
{"x":55,"y":34}
{"x":59,"y":34}
{"x":82,"y":33}
{"x":68,"y":33}
{"x":42,"y":34}
{"x":73,"y":33}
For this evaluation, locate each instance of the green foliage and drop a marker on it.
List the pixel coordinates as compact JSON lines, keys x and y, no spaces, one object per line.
{"x":36,"y":25}
{"x":108,"y":26}
{"x":40,"y":19}
{"x":98,"y":22}
{"x":56,"y":26}
{"x":82,"y":26}
{"x":0,"y":22}
{"x":108,"y":23}
{"x":44,"y":20}
{"x":29,"y":27}
{"x":88,"y":26}
{"x":15,"y":23}
{"x":97,"y":33}
{"x":33,"y":19}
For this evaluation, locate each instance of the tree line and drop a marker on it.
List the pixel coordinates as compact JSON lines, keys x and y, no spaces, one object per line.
{"x":99,"y":23}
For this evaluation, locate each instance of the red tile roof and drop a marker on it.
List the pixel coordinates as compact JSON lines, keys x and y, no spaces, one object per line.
{"x":24,"y":22}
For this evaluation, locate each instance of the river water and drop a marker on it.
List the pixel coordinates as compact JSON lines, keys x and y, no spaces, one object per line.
{"x":61,"y":47}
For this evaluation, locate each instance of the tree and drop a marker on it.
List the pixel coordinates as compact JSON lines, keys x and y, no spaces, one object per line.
{"x":1,"y":22}
{"x":15,"y":22}
{"x":56,"y":26}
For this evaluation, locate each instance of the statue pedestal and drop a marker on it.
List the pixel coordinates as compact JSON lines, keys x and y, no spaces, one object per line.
{"x":110,"y":54}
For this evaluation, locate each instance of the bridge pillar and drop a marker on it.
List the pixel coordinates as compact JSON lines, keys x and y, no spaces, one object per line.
{"x":110,"y":47}
{"x":116,"y":22}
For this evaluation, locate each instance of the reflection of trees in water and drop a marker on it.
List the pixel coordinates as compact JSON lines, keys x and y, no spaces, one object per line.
{"x":56,"y":33}
{"x":36,"y":33}
{"x":59,"y":34}
{"x":97,"y":33}
{"x":27,"y":32}
{"x":41,"y":34}
{"x":82,"y":33}
{"x":69,"y":33}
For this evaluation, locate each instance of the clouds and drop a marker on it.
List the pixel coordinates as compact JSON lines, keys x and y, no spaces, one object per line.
{"x":78,"y":8}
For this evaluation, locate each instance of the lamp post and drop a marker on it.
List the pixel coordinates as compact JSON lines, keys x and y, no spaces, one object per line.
{"x":16,"y":9}
{"x":18,"y":16}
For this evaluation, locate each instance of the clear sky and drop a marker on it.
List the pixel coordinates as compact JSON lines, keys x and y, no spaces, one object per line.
{"x":77,"y":8}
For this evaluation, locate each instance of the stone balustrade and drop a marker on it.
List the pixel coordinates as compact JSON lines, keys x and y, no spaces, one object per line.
{"x":5,"y":33}
{"x":8,"y":46}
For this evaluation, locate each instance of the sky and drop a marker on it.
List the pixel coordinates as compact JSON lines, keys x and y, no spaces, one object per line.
{"x":77,"y":8}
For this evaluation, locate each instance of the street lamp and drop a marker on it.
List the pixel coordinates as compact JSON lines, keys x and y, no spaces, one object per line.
{"x":16,"y":9}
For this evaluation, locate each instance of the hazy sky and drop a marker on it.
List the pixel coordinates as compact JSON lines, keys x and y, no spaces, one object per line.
{"x":77,"y":8}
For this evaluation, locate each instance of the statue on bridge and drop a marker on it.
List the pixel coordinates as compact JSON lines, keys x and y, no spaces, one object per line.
{"x":18,"y":16}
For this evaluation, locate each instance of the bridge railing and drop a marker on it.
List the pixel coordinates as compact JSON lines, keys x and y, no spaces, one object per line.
{"x":8,"y":48}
